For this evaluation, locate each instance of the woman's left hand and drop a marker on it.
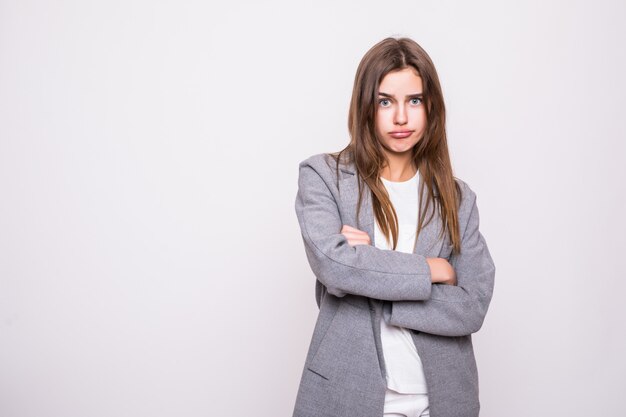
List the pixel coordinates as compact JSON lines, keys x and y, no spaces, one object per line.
{"x":355,"y":236}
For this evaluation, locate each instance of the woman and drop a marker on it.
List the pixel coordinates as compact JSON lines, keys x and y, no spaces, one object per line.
{"x":404,"y":276}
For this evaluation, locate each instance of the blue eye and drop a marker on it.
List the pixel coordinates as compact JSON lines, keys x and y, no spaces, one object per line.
{"x":383,"y":100}
{"x":417,"y":98}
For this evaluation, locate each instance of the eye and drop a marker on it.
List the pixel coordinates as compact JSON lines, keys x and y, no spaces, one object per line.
{"x":384,"y":102}
{"x":413,"y":100}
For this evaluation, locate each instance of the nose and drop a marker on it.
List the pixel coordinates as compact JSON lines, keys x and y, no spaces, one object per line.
{"x":400,"y":116}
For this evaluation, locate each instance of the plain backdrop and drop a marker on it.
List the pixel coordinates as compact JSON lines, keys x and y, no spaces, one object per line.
{"x":151,"y":263}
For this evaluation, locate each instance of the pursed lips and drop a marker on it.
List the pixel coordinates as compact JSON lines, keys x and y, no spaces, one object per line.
{"x":399,"y":134}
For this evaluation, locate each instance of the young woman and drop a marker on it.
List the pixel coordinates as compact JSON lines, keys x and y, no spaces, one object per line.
{"x":404,"y":276}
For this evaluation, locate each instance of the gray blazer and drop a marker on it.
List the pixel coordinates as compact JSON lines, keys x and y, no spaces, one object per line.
{"x":344,"y":371}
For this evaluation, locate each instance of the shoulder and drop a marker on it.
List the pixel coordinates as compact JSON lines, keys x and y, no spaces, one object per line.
{"x":319,"y":160}
{"x":328,"y":166}
{"x":463,"y":187}
{"x":467,"y":197}
{"x":330,"y":160}
{"x":468,"y":209}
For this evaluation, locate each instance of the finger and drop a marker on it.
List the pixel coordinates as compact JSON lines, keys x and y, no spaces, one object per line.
{"x":354,"y":232}
{"x":350,"y":228}
{"x":357,"y":236}
{"x":362,"y":240}
{"x":355,"y":242}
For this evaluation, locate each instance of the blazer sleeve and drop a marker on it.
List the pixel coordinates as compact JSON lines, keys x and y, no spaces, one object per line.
{"x":344,"y":269}
{"x":455,"y":310}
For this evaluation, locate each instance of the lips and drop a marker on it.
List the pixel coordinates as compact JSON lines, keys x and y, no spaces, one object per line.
{"x":400,"y":134}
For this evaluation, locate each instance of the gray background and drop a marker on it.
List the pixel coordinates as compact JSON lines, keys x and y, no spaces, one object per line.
{"x":151,"y":262}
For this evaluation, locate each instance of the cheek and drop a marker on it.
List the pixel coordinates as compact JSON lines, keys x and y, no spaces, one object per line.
{"x":420,"y":115}
{"x":384,"y":118}
{"x":380,"y":123}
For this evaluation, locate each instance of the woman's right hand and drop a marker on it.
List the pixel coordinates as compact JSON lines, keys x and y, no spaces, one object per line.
{"x":441,"y":272}
{"x":355,"y":236}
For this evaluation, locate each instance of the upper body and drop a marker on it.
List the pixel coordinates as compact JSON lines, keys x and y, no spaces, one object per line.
{"x":353,"y":283}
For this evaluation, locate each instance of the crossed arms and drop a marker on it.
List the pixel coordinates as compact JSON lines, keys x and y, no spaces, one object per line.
{"x":404,"y":279}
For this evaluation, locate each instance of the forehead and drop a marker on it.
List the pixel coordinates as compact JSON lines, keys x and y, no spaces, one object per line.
{"x":400,"y":81}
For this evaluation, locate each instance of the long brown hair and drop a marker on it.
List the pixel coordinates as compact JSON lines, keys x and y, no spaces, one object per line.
{"x":430,"y":154}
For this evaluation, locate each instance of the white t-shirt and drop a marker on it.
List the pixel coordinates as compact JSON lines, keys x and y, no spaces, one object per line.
{"x":405,"y":373}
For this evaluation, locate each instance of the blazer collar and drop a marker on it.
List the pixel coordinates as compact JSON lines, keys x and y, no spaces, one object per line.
{"x":427,"y":243}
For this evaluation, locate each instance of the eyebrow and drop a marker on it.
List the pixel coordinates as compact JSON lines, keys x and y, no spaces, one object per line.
{"x":380,"y":93}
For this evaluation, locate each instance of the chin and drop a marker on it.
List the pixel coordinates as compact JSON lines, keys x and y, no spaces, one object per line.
{"x":400,"y":149}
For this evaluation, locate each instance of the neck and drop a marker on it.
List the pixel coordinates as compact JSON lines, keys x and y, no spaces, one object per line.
{"x":398,"y":169}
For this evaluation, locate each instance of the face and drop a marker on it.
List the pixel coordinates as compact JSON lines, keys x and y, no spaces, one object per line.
{"x":401,"y":115}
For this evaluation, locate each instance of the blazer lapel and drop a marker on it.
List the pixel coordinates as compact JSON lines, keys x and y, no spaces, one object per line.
{"x":427,"y":244}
